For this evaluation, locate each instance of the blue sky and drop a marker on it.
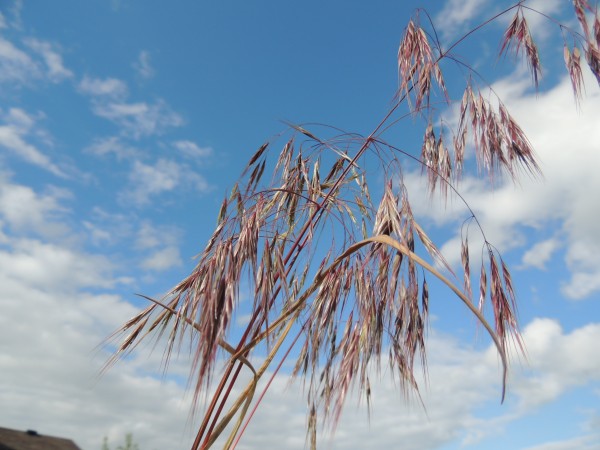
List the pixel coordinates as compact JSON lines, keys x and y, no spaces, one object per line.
{"x":122,"y":125}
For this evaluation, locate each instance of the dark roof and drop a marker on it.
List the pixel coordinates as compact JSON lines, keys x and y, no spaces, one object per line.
{"x":31,"y":440}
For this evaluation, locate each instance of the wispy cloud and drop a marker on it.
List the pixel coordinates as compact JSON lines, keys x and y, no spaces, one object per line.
{"x":107,"y":87}
{"x":15,"y":130}
{"x":587,"y":442}
{"x":142,"y":65}
{"x":135,"y":119}
{"x":457,"y":15}
{"x":56,"y":71}
{"x":112,"y":145}
{"x":106,"y":228}
{"x":147,"y":181}
{"x":37,"y":60}
{"x":140,"y":119}
{"x":161,"y":245}
{"x":150,"y":236}
{"x":16,"y":65}
{"x":191,"y":150}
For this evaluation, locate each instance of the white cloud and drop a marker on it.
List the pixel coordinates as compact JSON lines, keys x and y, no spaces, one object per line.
{"x":148,"y":246}
{"x":135,"y":119}
{"x":25,"y":211}
{"x":192,"y":150}
{"x":163,"y":259}
{"x":556,"y":361}
{"x":18,"y":125}
{"x":567,"y":144}
{"x":538,"y":24}
{"x":20,"y":119}
{"x":49,"y":266}
{"x":165,"y":176}
{"x":57,"y":307}
{"x":142,"y":66}
{"x":49,"y":376}
{"x":21,"y":67}
{"x":97,"y":235}
{"x":108,"y":87}
{"x":139,"y":119}
{"x":162,"y":241}
{"x":15,"y":12}
{"x":56,"y":71}
{"x":49,"y":330}
{"x":456,"y":14}
{"x":460,"y":396}
{"x":15,"y":64}
{"x":112,"y":145}
{"x":106,"y":228}
{"x":538,"y":255}
{"x":150,"y":236}
{"x":588,"y":442}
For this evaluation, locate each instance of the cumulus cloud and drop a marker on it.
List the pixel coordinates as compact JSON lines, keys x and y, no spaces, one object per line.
{"x":69,"y":322}
{"x":44,"y":265}
{"x":58,"y":304}
{"x":147,"y":181}
{"x":567,"y":144}
{"x":23,"y":210}
{"x":557,"y":361}
{"x":49,"y":330}
{"x":460,"y":397}
{"x":538,"y":255}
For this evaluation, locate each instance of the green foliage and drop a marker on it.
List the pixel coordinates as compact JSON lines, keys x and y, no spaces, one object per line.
{"x":129,"y":444}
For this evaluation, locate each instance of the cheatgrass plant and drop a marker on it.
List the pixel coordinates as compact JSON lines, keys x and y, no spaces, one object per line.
{"x":335,"y":272}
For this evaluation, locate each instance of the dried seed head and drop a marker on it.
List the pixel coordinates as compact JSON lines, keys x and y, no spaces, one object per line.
{"x":518,"y":34}
{"x":464,"y":255}
{"x":416,"y":67}
{"x":580,"y":7}
{"x":593,"y":59}
{"x":499,"y":141}
{"x":597,"y":29}
{"x":573,"y":64}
